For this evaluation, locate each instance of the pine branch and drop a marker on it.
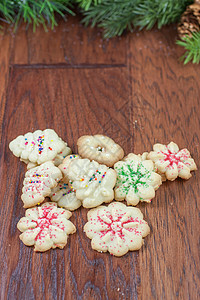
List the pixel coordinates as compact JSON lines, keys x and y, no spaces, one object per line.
{"x":114,"y":16}
{"x":109,"y":10}
{"x":150,"y":12}
{"x":117,"y":15}
{"x":34,"y":12}
{"x":192,"y":47}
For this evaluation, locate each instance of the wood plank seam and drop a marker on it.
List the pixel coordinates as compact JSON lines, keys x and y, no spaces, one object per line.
{"x":67,"y":66}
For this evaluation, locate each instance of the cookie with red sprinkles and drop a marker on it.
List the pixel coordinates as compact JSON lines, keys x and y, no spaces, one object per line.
{"x":116,"y":228}
{"x":46,"y":227}
{"x":38,"y":183}
{"x":171,"y":162}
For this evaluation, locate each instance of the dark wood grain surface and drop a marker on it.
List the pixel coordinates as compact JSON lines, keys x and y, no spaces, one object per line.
{"x":135,"y":90}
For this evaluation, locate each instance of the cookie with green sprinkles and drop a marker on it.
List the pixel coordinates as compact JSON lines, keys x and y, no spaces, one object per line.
{"x":136,"y":179}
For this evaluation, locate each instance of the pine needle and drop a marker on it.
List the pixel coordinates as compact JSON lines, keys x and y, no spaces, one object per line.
{"x":192,"y":47}
{"x":7,"y":10}
{"x":85,"y":4}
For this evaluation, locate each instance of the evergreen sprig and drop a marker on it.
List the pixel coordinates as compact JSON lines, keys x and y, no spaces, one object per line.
{"x":192,"y":47}
{"x":114,"y":16}
{"x":117,"y":15}
{"x":34,"y":12}
{"x":162,"y":12}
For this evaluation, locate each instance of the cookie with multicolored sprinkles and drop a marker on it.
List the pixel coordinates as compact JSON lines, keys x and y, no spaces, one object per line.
{"x":57,"y":160}
{"x":46,"y":227}
{"x":100,"y":148}
{"x":65,"y":164}
{"x":171,"y":162}
{"x":116,"y":228}
{"x":37,"y":147}
{"x":93,"y":182}
{"x":38,"y":183}
{"x":62,"y":155}
{"x":65,"y":196}
{"x":136,"y":179}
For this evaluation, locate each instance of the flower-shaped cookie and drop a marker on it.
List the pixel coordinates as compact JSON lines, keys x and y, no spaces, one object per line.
{"x":61,"y":155}
{"x":37,"y":147}
{"x":100,"y":148}
{"x":65,"y":164}
{"x":65,"y":196}
{"x":57,"y":160}
{"x":171,"y":163}
{"x":93,"y":182}
{"x":46,"y":227}
{"x":38,"y":183}
{"x":136,"y":179}
{"x":116,"y":228}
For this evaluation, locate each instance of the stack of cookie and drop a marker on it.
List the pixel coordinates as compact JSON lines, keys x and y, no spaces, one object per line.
{"x":98,"y":174}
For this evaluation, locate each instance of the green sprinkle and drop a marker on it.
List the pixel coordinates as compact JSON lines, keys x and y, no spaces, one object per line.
{"x":128,"y":177}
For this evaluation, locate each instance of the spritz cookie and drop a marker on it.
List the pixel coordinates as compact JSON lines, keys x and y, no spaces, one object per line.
{"x":37,"y":147}
{"x":65,"y":164}
{"x":65,"y":196}
{"x":46,"y":227}
{"x":61,"y":155}
{"x":136,"y":179}
{"x":116,"y":228}
{"x":100,"y":148}
{"x":29,"y":164}
{"x":172,"y":162}
{"x":57,"y":160}
{"x":38,"y":183}
{"x":139,"y":157}
{"x":93,"y":182}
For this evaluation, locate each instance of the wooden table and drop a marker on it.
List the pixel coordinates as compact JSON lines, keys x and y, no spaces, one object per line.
{"x":135,"y":90}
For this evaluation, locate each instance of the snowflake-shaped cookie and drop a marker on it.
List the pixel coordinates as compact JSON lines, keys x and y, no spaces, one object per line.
{"x":37,"y":147}
{"x":46,"y":227}
{"x":38,"y":183}
{"x":171,"y":163}
{"x":136,"y":179}
{"x":65,"y":196}
{"x":93,"y":182}
{"x":116,"y":228}
{"x":100,"y":148}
